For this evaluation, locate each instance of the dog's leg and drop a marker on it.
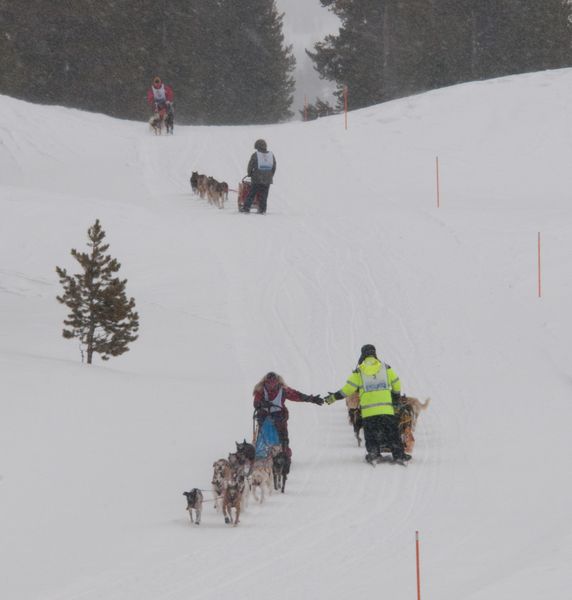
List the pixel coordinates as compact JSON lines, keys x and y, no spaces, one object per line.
{"x":409,"y":440}
{"x":246,"y":493}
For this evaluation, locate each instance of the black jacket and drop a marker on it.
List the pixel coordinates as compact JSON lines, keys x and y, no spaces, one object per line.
{"x":258,"y":176}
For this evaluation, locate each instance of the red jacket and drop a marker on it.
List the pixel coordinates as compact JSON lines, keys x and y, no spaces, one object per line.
{"x":273,"y":400}
{"x":168,"y":91}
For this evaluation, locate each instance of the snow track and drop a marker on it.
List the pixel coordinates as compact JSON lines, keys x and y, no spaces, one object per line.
{"x":352,"y":251}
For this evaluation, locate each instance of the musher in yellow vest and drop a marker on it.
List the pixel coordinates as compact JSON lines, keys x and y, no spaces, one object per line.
{"x":378,"y":387}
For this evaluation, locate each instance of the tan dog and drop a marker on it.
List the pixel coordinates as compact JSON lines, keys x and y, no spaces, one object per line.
{"x":202,"y":185}
{"x":213,"y":195}
{"x":221,"y":468}
{"x":354,"y":415}
{"x":260,"y":479}
{"x":410,"y":408}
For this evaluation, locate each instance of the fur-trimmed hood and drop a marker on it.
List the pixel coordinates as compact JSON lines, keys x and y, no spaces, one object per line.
{"x":260,"y":385}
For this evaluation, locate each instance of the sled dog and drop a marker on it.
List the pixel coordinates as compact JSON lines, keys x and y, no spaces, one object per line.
{"x":194,"y":503}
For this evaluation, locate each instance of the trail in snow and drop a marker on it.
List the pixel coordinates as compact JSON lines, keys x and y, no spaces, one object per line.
{"x":352,"y":251}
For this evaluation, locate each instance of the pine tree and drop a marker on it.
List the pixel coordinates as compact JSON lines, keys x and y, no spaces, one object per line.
{"x":386,"y":49}
{"x":250,"y":68}
{"x":101,"y":316}
{"x":226,"y":60}
{"x":320,"y":108}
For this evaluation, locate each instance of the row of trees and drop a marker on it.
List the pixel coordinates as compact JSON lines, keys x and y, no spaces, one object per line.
{"x":387,"y":49}
{"x":226,"y":60}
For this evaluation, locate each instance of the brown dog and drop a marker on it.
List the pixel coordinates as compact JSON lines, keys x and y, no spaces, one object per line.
{"x":409,"y":411}
{"x":202,"y":186}
{"x":354,"y":415}
{"x":231,"y":499}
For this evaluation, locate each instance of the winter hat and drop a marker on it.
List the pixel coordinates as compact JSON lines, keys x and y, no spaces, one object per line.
{"x":157,"y":82}
{"x":260,"y":145}
{"x":367,"y":350}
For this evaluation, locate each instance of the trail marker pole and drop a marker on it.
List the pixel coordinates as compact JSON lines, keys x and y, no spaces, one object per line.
{"x":346,"y":105}
{"x":438,"y":183}
{"x":417,"y":565}
{"x":539,"y":269}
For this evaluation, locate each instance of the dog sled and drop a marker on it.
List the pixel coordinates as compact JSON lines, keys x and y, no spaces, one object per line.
{"x":163,"y":119}
{"x":269,"y":453}
{"x":244,"y":188}
{"x":266,"y":439}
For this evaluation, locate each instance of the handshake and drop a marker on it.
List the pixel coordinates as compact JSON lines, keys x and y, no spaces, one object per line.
{"x":315,"y":400}
{"x":329,"y":399}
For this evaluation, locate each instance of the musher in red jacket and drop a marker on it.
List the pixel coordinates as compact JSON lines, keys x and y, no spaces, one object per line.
{"x":159,"y":96}
{"x":270,"y":395}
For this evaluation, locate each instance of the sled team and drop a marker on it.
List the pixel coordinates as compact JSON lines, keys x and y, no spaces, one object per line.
{"x":375,"y":404}
{"x":261,"y":165}
{"x":372,"y":391}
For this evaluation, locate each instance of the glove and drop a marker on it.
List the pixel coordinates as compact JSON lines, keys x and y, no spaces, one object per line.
{"x":330,"y":398}
{"x":316,"y":400}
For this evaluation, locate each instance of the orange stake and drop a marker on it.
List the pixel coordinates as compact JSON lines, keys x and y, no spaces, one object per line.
{"x":418,"y":567}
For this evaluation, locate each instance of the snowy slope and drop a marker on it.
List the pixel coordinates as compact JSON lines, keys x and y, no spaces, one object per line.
{"x":93,"y":460}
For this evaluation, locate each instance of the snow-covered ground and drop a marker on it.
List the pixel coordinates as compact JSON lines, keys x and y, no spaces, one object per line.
{"x":94,"y":460}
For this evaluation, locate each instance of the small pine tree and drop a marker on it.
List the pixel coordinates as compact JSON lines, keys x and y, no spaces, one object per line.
{"x":319,"y":109}
{"x":101,"y":316}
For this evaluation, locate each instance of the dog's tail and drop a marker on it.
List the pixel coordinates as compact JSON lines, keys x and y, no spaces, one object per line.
{"x":425,"y":404}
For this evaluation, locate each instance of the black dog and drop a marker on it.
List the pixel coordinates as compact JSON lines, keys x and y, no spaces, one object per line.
{"x":195,"y":182}
{"x":280,"y":470}
{"x":246,"y":453}
{"x":170,"y":120}
{"x":194,"y":502}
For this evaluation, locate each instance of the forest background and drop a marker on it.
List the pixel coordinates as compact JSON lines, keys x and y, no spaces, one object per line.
{"x":230,"y":63}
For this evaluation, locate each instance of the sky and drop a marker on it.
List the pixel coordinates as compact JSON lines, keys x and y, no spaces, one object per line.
{"x":354,"y":249}
{"x":305,"y":23}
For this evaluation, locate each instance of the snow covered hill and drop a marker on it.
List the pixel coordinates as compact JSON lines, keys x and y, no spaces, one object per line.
{"x":353,"y":250}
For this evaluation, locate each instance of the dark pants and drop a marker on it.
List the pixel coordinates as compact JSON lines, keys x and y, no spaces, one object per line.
{"x":380,"y":432}
{"x":262,"y":190}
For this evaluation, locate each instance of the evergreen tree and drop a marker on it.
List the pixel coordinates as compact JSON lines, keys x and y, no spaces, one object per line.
{"x":320,"y":108}
{"x":226,"y":60}
{"x":356,"y":56}
{"x":101,"y":316}
{"x":251,"y":81}
{"x":390,"y":48}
